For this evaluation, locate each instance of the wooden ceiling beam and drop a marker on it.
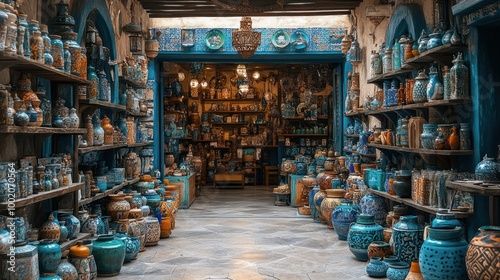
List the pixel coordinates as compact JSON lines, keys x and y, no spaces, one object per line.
{"x":159,"y":14}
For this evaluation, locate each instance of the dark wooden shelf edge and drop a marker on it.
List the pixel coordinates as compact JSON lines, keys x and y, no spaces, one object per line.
{"x":411,"y":203}
{"x":423,"y":151}
{"x":103,"y":104}
{"x":40,"y":130}
{"x":35,"y":198}
{"x":107,"y":192}
{"x":132,"y":83}
{"x":66,"y":245}
{"x":355,"y":114}
{"x":100,"y":148}
{"x":140,"y":144}
{"x":469,"y":187}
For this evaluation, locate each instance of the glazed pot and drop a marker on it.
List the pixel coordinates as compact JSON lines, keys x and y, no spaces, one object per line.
{"x":487,"y":169}
{"x":50,"y":229}
{"x":398,"y":271}
{"x":118,"y":208}
{"x":407,"y":238}
{"x":379,"y":249}
{"x":318,"y":199}
{"x":442,"y":255}
{"x":78,"y":257}
{"x":153,"y":231}
{"x":333,"y":199}
{"x":165,"y":226}
{"x":91,"y":225}
{"x":376,"y":268}
{"x":374,"y":205}
{"x":343,"y":216}
{"x":402,"y":184}
{"x":314,"y":212}
{"x":483,"y":253}
{"x":414,"y":273}
{"x":27,"y":262}
{"x":109,"y":254}
{"x":428,"y":136}
{"x":72,"y":222}
{"x":420,"y":88}
{"x":445,"y":220}
{"x":153,"y":199}
{"x":49,"y":256}
{"x":64,"y":232}
{"x":361,"y":234}
{"x":66,"y":270}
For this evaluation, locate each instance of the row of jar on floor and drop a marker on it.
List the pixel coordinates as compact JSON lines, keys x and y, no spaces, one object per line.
{"x":443,"y":253}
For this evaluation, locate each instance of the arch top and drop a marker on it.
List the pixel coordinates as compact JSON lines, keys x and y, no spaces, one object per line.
{"x":406,"y":19}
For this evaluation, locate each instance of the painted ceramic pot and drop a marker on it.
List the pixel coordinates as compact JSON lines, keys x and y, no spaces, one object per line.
{"x":153,"y":231}
{"x":301,"y":168}
{"x":402,"y":184}
{"x":435,"y":88}
{"x":343,"y":216}
{"x":434,"y":41}
{"x":414,"y":273}
{"x":483,"y":253}
{"x":66,"y":270}
{"x":153,"y":199}
{"x":459,"y":79}
{"x":165,"y":226}
{"x":376,"y":268}
{"x":64,"y":232}
{"x":398,"y":271}
{"x":49,"y":256}
{"x":118,"y":208}
{"x":442,"y":255}
{"x":407,"y":238}
{"x":379,"y":249}
{"x":374,"y":205}
{"x":143,"y":227}
{"x":314,"y":211}
{"x":465,"y":137}
{"x":81,"y":262}
{"x":428,"y":136}
{"x":72,"y":223}
{"x":361,"y":234}
{"x":318,"y":199}
{"x":91,"y":225}
{"x":109,"y":254}
{"x":486,"y":170}
{"x":333,"y":199}
{"x":445,"y":220}
{"x":420,"y":88}
{"x":50,"y":229}
{"x":27,"y":266}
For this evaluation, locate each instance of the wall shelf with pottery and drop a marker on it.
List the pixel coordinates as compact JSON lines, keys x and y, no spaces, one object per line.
{"x":476,"y":187}
{"x":132,"y":83}
{"x":423,"y":151}
{"x":34,"y":198}
{"x":39,"y":130}
{"x":358,"y":153}
{"x":443,"y":54}
{"x":115,"y":189}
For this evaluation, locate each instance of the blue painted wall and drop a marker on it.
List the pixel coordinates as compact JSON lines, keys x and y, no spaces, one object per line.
{"x":406,"y":19}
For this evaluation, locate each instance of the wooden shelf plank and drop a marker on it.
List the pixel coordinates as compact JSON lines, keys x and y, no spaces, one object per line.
{"x":352,"y":135}
{"x":435,"y":54}
{"x":303,"y":135}
{"x":491,"y":189}
{"x":231,"y":100}
{"x":358,"y":153}
{"x":22,"y":64}
{"x":137,"y":114}
{"x":132,"y":83}
{"x":100,"y":148}
{"x":40,"y":130}
{"x":143,"y":144}
{"x":423,"y":151}
{"x":107,"y":192}
{"x":69,"y":243}
{"x":411,"y":203}
{"x":43,"y":196}
{"x":105,"y":104}
{"x":236,"y":112}
{"x":355,"y":114}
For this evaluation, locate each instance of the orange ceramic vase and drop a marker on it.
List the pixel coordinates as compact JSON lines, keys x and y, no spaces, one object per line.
{"x":165,"y":227}
{"x":414,"y":273}
{"x":108,"y":131}
{"x":454,"y":139}
{"x":79,"y":250}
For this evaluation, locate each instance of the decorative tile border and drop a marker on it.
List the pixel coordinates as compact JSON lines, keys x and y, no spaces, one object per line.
{"x":320,"y":40}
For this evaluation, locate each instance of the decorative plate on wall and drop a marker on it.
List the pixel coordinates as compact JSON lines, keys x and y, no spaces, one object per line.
{"x":214,"y":39}
{"x":299,"y":40}
{"x":281,"y":39}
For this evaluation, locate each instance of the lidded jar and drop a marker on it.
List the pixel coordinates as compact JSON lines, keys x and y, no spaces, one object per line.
{"x":420,"y":88}
{"x":459,"y":79}
{"x":435,"y":88}
{"x":57,"y":51}
{"x":36,"y":47}
{"x":47,"y":45}
{"x":487,"y":169}
{"x":108,"y":130}
{"x":387,"y":61}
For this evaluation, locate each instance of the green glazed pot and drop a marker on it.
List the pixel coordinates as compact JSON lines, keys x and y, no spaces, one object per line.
{"x":109,"y":254}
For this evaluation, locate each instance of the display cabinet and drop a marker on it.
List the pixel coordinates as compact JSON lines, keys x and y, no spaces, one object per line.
{"x":187,"y":188}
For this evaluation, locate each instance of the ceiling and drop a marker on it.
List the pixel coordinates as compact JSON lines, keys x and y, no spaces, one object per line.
{"x":232,"y":8}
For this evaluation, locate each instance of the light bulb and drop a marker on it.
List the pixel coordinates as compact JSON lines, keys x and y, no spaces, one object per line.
{"x":256,"y":75}
{"x":193,"y":83}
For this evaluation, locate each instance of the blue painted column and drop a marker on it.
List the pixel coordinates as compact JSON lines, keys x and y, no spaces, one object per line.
{"x":346,"y":67}
{"x":154,"y":81}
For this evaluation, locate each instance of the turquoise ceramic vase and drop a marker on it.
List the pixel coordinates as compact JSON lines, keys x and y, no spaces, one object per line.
{"x":407,"y":238}
{"x":109,"y":254}
{"x":66,"y":270}
{"x":374,"y":205}
{"x":49,"y":255}
{"x":398,"y":271}
{"x":64,"y":232}
{"x":343,"y":216}
{"x":312,"y":206}
{"x":361,"y":234}
{"x":443,"y":254}
{"x":376,"y":268}
{"x":50,"y":276}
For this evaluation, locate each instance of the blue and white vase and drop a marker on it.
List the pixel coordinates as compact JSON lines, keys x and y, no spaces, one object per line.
{"x":446,"y":83}
{"x":375,"y":205}
{"x":376,"y":268}
{"x":396,"y":55}
{"x":407,"y":238}
{"x":459,"y":79}
{"x":486,"y":170}
{"x":361,"y":234}
{"x":434,"y":41}
{"x":398,"y":271}
{"x":391,"y":94}
{"x":435,"y":88}
{"x":343,"y":216}
{"x":428,"y":136}
{"x":420,"y":88}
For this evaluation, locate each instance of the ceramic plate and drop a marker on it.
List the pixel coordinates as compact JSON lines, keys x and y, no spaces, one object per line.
{"x":281,"y":39}
{"x":214,"y":39}
{"x":299,"y":40}
{"x":300,"y":109}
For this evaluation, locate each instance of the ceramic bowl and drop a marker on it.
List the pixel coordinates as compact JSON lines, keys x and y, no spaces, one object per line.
{"x":281,"y":39}
{"x":214,"y":39}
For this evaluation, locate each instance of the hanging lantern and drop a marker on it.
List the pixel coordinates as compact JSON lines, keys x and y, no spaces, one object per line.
{"x":241,"y":71}
{"x":245,"y":40}
{"x":152,"y":45}
{"x":204,"y":83}
{"x":194,"y":83}
{"x":355,"y":53}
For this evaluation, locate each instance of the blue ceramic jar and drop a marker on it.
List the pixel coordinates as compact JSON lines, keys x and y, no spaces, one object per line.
{"x":361,"y":234}
{"x":402,"y":184}
{"x":420,"y":88}
{"x":49,"y":255}
{"x":387,"y":61}
{"x":376,"y":268}
{"x":374,"y":205}
{"x":435,"y":88}
{"x":487,"y":169}
{"x":301,"y":168}
{"x":459,"y":79}
{"x":396,"y":55}
{"x":465,"y":137}
{"x":109,"y":254}
{"x":428,"y":136}
{"x":407,"y":238}
{"x":153,"y":199}
{"x":398,"y":271}
{"x":434,"y":41}
{"x":66,"y":270}
{"x":314,"y":212}
{"x":343,"y":216}
{"x":442,"y":255}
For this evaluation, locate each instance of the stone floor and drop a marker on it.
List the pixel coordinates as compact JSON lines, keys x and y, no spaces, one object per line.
{"x":239,"y":234}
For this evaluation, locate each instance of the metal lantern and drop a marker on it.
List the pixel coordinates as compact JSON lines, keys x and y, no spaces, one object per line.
{"x":241,"y":71}
{"x":245,"y":40}
{"x":135,"y":43}
{"x":194,"y":83}
{"x":152,"y":45}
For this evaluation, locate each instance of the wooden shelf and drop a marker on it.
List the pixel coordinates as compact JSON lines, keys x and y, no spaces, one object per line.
{"x":302,"y":119}
{"x":355,"y":114}
{"x":100,"y":148}
{"x":303,"y":135}
{"x":352,"y":135}
{"x":107,"y":192}
{"x":69,"y":243}
{"x":143,"y":144}
{"x":358,"y":153}
{"x":175,"y":99}
{"x":377,"y":79}
{"x":236,"y":112}
{"x":423,"y":151}
{"x":490,"y":189}
{"x":419,"y":106}
{"x":411,"y":203}
{"x":40,"y":130}
{"x":43,"y":196}
{"x":22,"y":64}
{"x":132,"y":83}
{"x":231,"y":100}
{"x":137,"y":114}
{"x":104,"y":104}
{"x":443,"y":54}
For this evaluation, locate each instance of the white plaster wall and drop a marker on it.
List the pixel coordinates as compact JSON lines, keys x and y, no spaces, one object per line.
{"x":257,"y":22}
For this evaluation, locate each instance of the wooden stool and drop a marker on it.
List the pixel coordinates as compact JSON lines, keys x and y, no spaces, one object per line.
{"x":269,"y":170}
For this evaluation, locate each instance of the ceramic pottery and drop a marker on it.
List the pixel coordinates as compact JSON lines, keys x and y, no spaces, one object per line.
{"x":153,"y":231}
{"x":374,"y":205}
{"x":443,"y":254}
{"x":49,"y":256}
{"x":343,"y":216}
{"x":398,"y":271}
{"x":420,"y":88}
{"x":459,"y":79}
{"x":26,"y":262}
{"x":314,"y":211}
{"x":379,"y":249}
{"x":361,"y":234}
{"x":118,"y":208}
{"x":483,"y":253}
{"x":428,"y":136}
{"x":434,"y":41}
{"x":435,"y":86}
{"x":72,"y":223}
{"x":330,"y":202}
{"x":376,"y":268}
{"x":50,"y":229}
{"x":318,"y":199}
{"x":66,"y":270}
{"x":414,"y":273}
{"x":445,"y":220}
{"x":109,"y":254}
{"x":407,"y":238}
{"x":486,"y":170}
{"x":465,"y":137}
{"x":402,"y":184}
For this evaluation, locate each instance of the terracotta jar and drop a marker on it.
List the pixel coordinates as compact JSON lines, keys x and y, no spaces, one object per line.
{"x":165,"y":227}
{"x":379,"y":249}
{"x":414,"y":273}
{"x":153,"y":231}
{"x":108,"y":130}
{"x":50,"y":229}
{"x":483,"y":253}
{"x":118,"y":208}
{"x":333,"y":199}
{"x":454,"y":139}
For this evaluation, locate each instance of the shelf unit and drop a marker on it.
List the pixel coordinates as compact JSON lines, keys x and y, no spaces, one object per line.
{"x":423,"y":151}
{"x":411,"y":203}
{"x":107,"y":192}
{"x":132,"y":83}
{"x":22,"y":202}
{"x":465,"y":186}
{"x":39,"y":130}
{"x":360,"y":154}
{"x":419,"y":106}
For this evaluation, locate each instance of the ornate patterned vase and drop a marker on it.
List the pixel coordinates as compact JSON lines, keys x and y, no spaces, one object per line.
{"x":376,"y":268}
{"x":47,"y":45}
{"x":343,"y":216}
{"x":72,"y":222}
{"x":26,"y":262}
{"x":312,"y":206}
{"x":398,"y":271}
{"x":64,"y":232}
{"x":78,"y":257}
{"x":330,"y":202}
{"x":428,"y":136}
{"x":420,"y":88}
{"x":90,"y":226}
{"x":374,"y":205}
{"x":465,"y":137}
{"x":153,"y":231}
{"x":434,"y":40}
{"x":66,"y":270}
{"x":98,"y":131}
{"x":483,"y":253}
{"x":57,"y":51}
{"x":36,"y":47}
{"x":459,"y":79}
{"x":318,"y":199}
{"x":379,"y":249}
{"x":50,"y":229}
{"x":387,"y":61}
{"x":109,"y":254}
{"x":49,"y":256}
{"x":422,"y":41}
{"x":402,"y":183}
{"x":361,"y":234}
{"x":300,"y":167}
{"x":486,"y":170}
{"x":446,"y":82}
{"x":435,"y":88}
{"x":407,"y":238}
{"x":442,"y":255}
{"x":118,"y":208}
{"x":25,"y":41}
